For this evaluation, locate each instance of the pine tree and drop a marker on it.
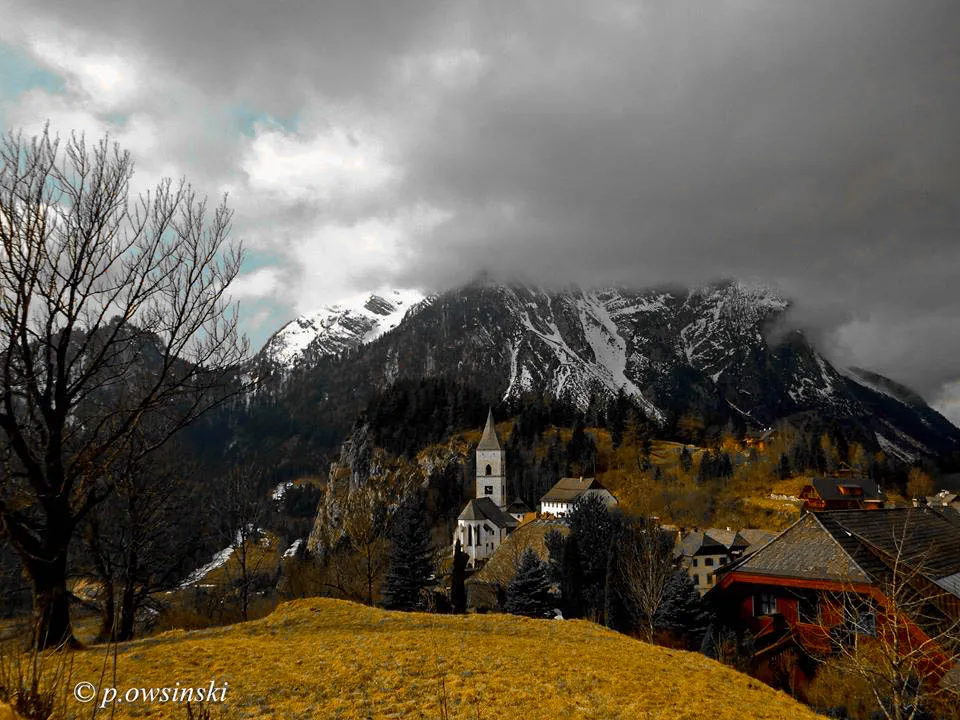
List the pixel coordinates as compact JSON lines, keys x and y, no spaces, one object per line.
{"x":686,"y":459}
{"x":783,"y":467}
{"x":458,"y":588}
{"x":411,"y":556}
{"x":681,"y":611}
{"x":591,"y":525}
{"x":529,"y":591}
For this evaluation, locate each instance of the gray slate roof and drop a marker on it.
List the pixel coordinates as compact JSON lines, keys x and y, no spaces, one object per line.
{"x":850,"y":545}
{"x":489,"y":439}
{"x":518,"y":507}
{"x":569,"y":489}
{"x":756,"y":538}
{"x":712,"y":541}
{"x":485,"y":509}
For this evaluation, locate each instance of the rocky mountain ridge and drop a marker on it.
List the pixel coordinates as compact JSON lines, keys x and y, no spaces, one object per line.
{"x":720,"y":350}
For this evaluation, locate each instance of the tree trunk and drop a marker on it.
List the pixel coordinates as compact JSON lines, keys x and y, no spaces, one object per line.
{"x":128,"y":610}
{"x":107,"y":611}
{"x":51,"y":601}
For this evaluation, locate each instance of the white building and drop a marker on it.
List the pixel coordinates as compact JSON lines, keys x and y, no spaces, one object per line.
{"x":560,"y":499}
{"x":487,"y":520}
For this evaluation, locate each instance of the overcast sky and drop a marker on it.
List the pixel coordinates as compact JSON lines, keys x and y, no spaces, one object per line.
{"x":813,"y":145}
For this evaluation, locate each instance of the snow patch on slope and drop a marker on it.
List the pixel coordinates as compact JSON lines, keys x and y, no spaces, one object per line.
{"x":891,"y":448}
{"x":344,"y":325}
{"x":609,"y":349}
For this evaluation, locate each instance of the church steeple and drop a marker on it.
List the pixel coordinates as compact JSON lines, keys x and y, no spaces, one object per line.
{"x":489,"y":439}
{"x":491,"y":466}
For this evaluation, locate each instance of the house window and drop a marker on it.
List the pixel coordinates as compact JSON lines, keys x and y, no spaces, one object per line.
{"x":694,"y":562}
{"x":710,"y":579}
{"x":808,"y":610}
{"x":488,"y":489}
{"x":708,"y":562}
{"x":489,"y":470}
{"x":861,"y":618}
{"x":764,"y":603}
{"x":696,"y":579}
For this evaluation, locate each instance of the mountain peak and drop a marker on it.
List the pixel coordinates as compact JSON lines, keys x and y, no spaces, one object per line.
{"x":340,"y":326}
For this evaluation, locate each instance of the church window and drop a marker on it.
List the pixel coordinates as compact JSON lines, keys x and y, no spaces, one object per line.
{"x":489,"y":470}
{"x":488,"y":489}
{"x":478,"y":535}
{"x":469,"y":535}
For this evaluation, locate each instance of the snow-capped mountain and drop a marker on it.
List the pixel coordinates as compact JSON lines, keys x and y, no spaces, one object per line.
{"x":717,"y":351}
{"x":337,"y":328}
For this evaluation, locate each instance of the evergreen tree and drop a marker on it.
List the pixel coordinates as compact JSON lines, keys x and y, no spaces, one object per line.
{"x":571,"y":580}
{"x":529,"y":591}
{"x":686,"y":459}
{"x":458,"y":588}
{"x":783,"y":467}
{"x":411,"y":557}
{"x":620,"y":609}
{"x":592,"y":526}
{"x":555,"y":542}
{"x":682,"y":612}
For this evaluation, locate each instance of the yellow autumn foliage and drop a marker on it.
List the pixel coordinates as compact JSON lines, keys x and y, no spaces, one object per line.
{"x":322,"y":658}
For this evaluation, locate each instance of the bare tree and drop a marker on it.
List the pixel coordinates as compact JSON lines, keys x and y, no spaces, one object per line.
{"x":645,"y":562}
{"x":366,"y":523}
{"x":899,"y":638}
{"x":353,"y":527}
{"x":242,"y":507}
{"x":142,"y":537}
{"x":112,"y":310}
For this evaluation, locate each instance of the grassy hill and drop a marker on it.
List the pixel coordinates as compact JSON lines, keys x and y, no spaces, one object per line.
{"x":333,"y":659}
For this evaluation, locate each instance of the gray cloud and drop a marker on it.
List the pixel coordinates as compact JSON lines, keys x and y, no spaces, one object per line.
{"x":813,"y":145}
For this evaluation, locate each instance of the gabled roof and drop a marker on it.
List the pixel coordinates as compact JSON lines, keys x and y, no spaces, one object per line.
{"x":569,"y":489}
{"x":858,"y":545}
{"x":924,"y":539}
{"x":489,"y":439}
{"x":833,"y":488}
{"x":712,"y":541}
{"x":485,"y":509}
{"x":756,"y":538}
{"x":518,"y":507}
{"x":804,"y":550}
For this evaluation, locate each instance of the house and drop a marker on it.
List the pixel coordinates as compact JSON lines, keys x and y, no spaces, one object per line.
{"x":944,"y":498}
{"x":834,"y":493}
{"x":487,"y":520}
{"x":703,"y":552}
{"x":560,"y":499}
{"x":830,"y":575}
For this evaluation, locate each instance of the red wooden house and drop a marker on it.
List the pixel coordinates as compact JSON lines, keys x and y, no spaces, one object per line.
{"x":835,"y":493}
{"x":827,"y":578}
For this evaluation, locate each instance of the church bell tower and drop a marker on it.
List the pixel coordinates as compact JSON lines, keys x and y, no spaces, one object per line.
{"x":491,"y":466}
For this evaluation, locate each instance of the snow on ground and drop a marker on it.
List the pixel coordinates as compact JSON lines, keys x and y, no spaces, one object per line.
{"x":222,"y":557}
{"x":219,"y":560}
{"x":610,"y":349}
{"x":280,"y":490}
{"x":292,"y":550}
{"x":891,"y":448}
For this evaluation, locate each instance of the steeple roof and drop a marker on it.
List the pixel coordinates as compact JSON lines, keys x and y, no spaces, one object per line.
{"x":489,"y":441}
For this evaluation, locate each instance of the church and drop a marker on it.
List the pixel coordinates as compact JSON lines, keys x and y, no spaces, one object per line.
{"x":488,"y":519}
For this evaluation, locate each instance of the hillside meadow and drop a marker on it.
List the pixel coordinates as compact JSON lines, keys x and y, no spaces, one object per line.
{"x":322,"y":658}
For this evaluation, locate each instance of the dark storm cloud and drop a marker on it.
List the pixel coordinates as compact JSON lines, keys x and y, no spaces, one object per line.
{"x":814,"y":145}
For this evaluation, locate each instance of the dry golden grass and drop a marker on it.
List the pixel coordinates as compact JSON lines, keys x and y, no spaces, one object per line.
{"x":321,"y":658}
